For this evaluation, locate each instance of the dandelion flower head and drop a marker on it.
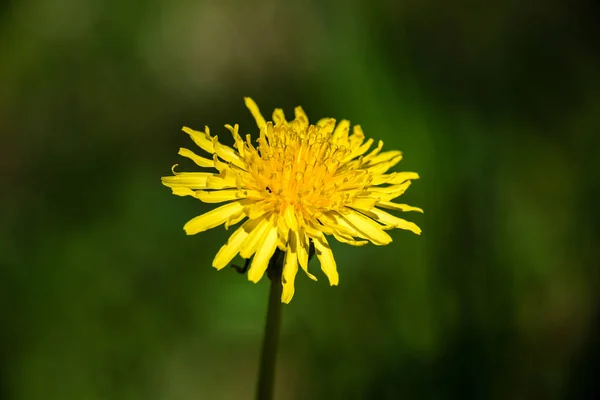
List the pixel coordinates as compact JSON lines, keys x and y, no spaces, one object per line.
{"x":298,"y":184}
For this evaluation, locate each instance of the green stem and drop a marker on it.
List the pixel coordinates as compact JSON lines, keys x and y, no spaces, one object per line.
{"x":268,"y":356}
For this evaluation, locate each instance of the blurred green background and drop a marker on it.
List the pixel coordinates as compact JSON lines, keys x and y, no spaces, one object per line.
{"x":496,"y":105}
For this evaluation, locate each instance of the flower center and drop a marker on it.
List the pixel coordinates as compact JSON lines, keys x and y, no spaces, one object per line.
{"x":302,"y":168}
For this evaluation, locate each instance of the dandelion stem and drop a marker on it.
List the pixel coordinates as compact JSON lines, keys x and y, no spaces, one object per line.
{"x":268,"y":356}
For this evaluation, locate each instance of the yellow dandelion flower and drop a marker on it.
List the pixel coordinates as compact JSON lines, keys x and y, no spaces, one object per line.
{"x":298,"y":185}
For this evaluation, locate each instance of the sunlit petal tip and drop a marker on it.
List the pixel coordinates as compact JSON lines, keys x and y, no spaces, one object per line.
{"x":358,"y":132}
{"x":189,"y":130}
{"x":218,"y":266}
{"x":416,"y":230}
{"x":182,"y":191}
{"x":325,"y":256}
{"x":260,"y":262}
{"x":290,"y":218}
{"x":288,"y":292}
{"x":199,"y":161}
{"x":255,"y":111}
{"x":287,"y":298}
{"x":325,"y":121}
{"x":279,"y":116}
{"x":213,"y":218}
{"x":300,"y":114}
{"x":400,"y":207}
{"x":334,"y":279}
{"x":290,"y":268}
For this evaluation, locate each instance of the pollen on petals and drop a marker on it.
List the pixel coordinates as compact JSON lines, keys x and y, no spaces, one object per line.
{"x":295,"y":185}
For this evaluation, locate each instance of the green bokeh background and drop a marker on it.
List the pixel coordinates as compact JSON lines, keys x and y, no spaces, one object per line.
{"x":496,"y":105}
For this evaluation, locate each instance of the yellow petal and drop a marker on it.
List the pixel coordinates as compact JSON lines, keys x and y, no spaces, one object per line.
{"x":324,"y":121}
{"x":368,"y":228}
{"x":383,"y":167}
{"x":290,"y":218}
{"x":389,"y":193}
{"x":234,"y":244}
{"x":301,"y":117}
{"x":220,"y":165}
{"x":203,"y":140}
{"x":383,"y":157}
{"x":252,"y":242}
{"x":235,"y":133}
{"x":312,"y":230}
{"x":348,"y":240}
{"x":359,"y":151}
{"x":200,"y":161}
{"x":363,"y":148}
{"x":337,"y":222}
{"x":302,"y":247}
{"x":222,"y":181}
{"x":253,"y":108}
{"x":400,"y":207}
{"x":363,"y":202}
{"x":394,"y":178}
{"x":219,"y":196}
{"x":192,"y":180}
{"x":183,"y":191}
{"x":214,"y":218}
{"x":260,"y":262}
{"x":326,"y":259}
{"x":279,"y":116}
{"x":327,"y":125}
{"x":238,"y":141}
{"x":372,"y":155}
{"x":290,"y":269}
{"x":401,"y":177}
{"x":357,"y":137}
{"x":392,"y":220}
{"x":341,"y":131}
{"x":228,"y":154}
{"x":257,"y":209}
{"x":282,"y":234}
{"x":234,"y":221}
